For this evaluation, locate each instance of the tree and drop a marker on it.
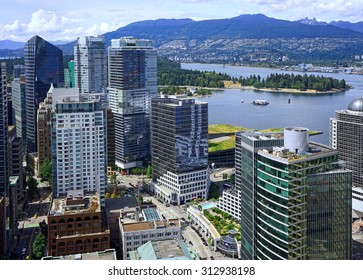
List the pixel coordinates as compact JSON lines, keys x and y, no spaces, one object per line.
{"x":32,"y":185}
{"x":43,"y":228}
{"x":46,"y":171}
{"x":113,"y":178}
{"x":140,"y":199}
{"x":149,"y":171}
{"x":113,"y":195}
{"x":38,"y":246}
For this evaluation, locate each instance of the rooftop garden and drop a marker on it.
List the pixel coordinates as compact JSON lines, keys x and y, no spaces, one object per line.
{"x":222,"y":221}
{"x":228,"y":141}
{"x":224,"y":128}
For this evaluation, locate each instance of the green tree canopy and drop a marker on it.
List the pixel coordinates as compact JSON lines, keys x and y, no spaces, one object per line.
{"x":46,"y":171}
{"x":38,"y":246}
{"x":32,"y":185}
{"x":149,"y":171}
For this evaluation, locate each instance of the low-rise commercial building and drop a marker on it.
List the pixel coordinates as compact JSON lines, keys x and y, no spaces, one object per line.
{"x":135,"y":234}
{"x":75,"y":225}
{"x":171,"y":249}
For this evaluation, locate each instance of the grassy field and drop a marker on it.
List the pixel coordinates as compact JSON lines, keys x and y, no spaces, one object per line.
{"x":229,"y":143}
{"x":223,"y":128}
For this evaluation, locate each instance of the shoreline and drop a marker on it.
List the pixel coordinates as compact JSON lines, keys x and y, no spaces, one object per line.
{"x":291,"y":90}
{"x":286,"y":90}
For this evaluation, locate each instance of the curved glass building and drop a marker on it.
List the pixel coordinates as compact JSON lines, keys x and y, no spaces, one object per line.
{"x":302,"y":202}
{"x":43,"y":66}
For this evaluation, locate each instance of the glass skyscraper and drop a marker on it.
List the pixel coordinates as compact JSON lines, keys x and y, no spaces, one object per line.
{"x":43,"y":66}
{"x":132,"y":81}
{"x":179,"y":139}
{"x":247,"y":146}
{"x":18,"y":93}
{"x":301,"y":207}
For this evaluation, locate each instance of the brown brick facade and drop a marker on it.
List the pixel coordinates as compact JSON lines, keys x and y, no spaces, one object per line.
{"x":76,"y":233}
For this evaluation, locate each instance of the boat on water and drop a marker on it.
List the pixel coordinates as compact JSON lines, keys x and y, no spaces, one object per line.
{"x":242,"y":101}
{"x":260,"y":102}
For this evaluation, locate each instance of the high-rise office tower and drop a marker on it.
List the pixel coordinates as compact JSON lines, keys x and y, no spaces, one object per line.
{"x":43,"y":66}
{"x":132,"y":71}
{"x":19,"y":109}
{"x":90,"y":64}
{"x":179,"y":140}
{"x":44,"y":131}
{"x":79,"y":160}
{"x":4,"y":175}
{"x":299,"y":202}
{"x":247,"y":146}
{"x":346,"y":135}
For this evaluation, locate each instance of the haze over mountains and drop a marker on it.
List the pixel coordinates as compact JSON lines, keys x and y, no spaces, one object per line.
{"x":259,"y":36}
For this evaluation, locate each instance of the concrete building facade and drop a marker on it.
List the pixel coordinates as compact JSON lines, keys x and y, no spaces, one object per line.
{"x":133,"y":235}
{"x":79,"y":143}
{"x":346,"y":135}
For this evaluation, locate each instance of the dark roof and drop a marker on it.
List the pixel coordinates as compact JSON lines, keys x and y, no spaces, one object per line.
{"x":119,"y":203}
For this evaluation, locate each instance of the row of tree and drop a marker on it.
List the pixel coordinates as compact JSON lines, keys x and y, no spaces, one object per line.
{"x":177,"y":90}
{"x":292,"y":81}
{"x":170,"y":73}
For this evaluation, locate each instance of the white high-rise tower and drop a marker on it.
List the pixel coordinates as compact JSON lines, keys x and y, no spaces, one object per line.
{"x":90,"y":64}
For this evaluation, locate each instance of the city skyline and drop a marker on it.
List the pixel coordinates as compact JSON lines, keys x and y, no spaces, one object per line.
{"x":55,"y":20}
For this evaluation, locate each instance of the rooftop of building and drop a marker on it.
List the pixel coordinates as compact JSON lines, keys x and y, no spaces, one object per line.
{"x":151,"y":225}
{"x":315,"y":150}
{"x":177,"y":100}
{"x":107,"y":255}
{"x":356,"y":105}
{"x":172,"y":249}
{"x":256,"y":135}
{"x":75,"y":202}
{"x":116,"y":204}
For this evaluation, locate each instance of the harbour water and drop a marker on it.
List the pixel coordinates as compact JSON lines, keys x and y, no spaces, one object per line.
{"x":311,"y":111}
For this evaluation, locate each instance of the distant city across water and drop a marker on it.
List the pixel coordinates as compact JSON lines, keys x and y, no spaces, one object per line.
{"x":310,"y":111}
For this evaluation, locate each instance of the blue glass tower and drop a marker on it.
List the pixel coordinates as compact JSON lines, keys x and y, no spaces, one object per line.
{"x":43,"y":66}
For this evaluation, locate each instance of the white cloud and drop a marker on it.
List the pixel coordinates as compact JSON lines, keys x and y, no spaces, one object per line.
{"x":52,"y":26}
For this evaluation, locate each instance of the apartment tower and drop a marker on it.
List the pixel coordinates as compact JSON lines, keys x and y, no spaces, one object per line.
{"x":79,"y":160}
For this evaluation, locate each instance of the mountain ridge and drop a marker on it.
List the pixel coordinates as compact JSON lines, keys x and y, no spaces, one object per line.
{"x":243,"y":38}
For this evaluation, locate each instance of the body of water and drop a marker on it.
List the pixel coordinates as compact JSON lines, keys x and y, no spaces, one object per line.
{"x":313,"y":111}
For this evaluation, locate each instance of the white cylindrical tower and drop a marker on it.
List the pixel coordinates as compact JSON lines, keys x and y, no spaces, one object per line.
{"x":296,"y":139}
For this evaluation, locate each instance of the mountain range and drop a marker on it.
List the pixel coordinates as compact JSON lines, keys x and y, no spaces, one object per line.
{"x":242,"y":38}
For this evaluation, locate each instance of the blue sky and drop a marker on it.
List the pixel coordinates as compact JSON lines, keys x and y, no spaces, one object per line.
{"x":68,"y":19}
